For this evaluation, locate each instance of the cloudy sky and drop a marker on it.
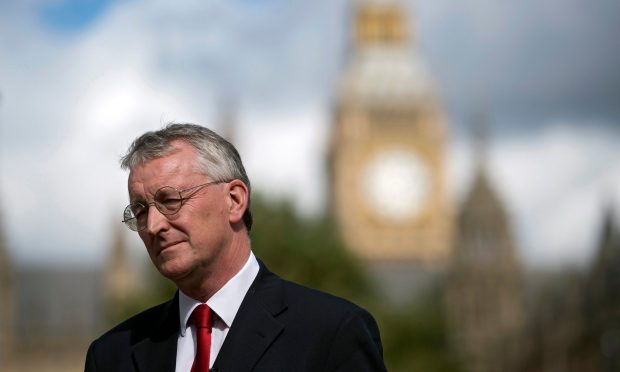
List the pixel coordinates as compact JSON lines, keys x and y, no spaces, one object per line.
{"x":80,"y":79}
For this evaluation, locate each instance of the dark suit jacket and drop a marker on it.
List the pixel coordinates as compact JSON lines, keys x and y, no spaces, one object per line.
{"x":280,"y":326}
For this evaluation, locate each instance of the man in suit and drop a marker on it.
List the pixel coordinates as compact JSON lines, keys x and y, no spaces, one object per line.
{"x":189,"y":202}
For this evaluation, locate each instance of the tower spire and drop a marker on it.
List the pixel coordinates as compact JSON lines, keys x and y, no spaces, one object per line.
{"x":121,"y":277}
{"x":480,"y":132}
{"x":7,"y":298}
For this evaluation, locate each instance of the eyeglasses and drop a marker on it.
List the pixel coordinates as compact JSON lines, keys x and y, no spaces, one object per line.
{"x":168,"y":201}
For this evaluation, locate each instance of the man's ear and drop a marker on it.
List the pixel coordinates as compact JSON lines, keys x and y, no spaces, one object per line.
{"x":238,"y":196}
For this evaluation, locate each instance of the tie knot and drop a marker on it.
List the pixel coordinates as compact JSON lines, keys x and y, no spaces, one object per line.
{"x":202,"y":316}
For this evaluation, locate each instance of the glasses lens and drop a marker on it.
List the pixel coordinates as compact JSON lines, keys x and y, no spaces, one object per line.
{"x":134,"y":216}
{"x":168,"y":200}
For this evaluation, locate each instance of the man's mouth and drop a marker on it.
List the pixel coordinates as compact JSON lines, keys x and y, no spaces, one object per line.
{"x":165,"y":246}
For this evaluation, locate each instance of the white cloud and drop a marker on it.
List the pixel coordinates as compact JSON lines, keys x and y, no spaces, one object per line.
{"x":285,"y":155}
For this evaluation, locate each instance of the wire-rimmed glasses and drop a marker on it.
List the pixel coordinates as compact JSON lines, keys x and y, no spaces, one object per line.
{"x":168,"y":201}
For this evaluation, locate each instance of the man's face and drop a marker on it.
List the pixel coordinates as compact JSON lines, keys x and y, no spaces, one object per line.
{"x":192,"y":240}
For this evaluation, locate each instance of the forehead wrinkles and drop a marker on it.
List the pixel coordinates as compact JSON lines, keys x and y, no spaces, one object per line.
{"x":145,"y":179}
{"x":136,"y":186}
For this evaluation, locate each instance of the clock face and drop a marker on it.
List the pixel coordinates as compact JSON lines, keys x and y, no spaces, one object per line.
{"x":396,"y":184}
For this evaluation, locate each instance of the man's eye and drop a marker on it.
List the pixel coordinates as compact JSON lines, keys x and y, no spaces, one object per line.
{"x":169,"y":205}
{"x":141,"y":212}
{"x":170,"y":201}
{"x":138,"y":209}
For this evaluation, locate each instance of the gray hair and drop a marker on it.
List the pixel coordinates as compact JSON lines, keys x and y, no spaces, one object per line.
{"x":218,"y":159}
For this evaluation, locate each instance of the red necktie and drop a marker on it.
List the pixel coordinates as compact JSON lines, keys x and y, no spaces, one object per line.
{"x":201,"y":316}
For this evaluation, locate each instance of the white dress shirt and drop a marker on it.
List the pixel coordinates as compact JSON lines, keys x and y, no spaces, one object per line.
{"x":224,"y":304}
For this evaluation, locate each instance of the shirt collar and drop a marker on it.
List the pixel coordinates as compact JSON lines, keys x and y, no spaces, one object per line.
{"x":225,"y":302}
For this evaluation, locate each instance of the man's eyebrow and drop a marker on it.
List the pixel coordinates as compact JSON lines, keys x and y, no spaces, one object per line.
{"x":135,"y":197}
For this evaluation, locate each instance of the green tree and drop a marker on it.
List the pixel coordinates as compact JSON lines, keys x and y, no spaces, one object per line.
{"x":306,"y":250}
{"x":415,"y":336}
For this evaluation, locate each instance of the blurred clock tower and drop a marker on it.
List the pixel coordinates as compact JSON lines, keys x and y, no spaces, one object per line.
{"x":386,"y":153}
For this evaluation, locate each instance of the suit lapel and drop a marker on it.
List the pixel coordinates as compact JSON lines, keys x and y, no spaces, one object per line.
{"x":255,"y":326}
{"x":157,"y":352}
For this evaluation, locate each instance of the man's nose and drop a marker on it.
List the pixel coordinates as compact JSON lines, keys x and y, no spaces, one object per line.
{"x":156,"y":221}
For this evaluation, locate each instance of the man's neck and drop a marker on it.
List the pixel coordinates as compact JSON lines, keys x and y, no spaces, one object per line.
{"x":208,"y":280}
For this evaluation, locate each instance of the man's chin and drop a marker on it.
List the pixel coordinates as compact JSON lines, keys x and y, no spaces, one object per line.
{"x":174,"y":270}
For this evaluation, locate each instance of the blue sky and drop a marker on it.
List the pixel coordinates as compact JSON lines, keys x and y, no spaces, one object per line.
{"x":80,"y":79}
{"x":71,"y":16}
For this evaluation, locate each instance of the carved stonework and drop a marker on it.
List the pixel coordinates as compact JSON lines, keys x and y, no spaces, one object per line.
{"x":387,"y":167}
